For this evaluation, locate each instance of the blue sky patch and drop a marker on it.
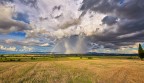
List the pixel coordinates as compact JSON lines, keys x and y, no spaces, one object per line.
{"x":122,"y":1}
{"x":22,"y":17}
{"x":19,"y":33}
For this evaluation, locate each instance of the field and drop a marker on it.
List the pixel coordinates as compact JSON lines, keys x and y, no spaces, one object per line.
{"x":71,"y":70}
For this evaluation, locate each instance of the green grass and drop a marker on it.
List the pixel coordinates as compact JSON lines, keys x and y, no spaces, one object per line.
{"x":33,"y":58}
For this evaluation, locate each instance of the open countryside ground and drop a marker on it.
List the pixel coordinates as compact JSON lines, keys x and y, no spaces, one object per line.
{"x":73,"y":71}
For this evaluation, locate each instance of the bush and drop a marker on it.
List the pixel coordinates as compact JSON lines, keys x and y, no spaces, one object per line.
{"x":19,"y":60}
{"x":5,"y":58}
{"x":130,"y":57}
{"x":90,"y":57}
{"x":1,"y":55}
{"x":12,"y":60}
{"x":32,"y":58}
{"x":81,"y":57}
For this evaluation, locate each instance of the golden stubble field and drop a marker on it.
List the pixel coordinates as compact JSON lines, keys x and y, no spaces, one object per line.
{"x":75,"y":71}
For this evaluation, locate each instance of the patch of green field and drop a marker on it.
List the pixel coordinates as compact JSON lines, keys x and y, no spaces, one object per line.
{"x":32,"y":58}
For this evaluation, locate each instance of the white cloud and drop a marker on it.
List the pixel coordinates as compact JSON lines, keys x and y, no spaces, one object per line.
{"x":60,"y":19}
{"x":8,"y":48}
{"x":130,"y":34}
{"x":9,"y":41}
{"x":26,"y":49}
{"x":45,"y":44}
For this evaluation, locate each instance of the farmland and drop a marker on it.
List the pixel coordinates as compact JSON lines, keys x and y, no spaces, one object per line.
{"x":72,"y":70}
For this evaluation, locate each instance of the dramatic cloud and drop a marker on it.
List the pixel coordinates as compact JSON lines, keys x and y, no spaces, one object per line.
{"x":7,"y":24}
{"x":124,"y":15}
{"x":74,"y":26}
{"x":109,"y":20}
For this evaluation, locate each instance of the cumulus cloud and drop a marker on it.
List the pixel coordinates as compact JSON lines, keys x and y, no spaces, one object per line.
{"x":28,"y":42}
{"x":7,"y":48}
{"x":7,"y":24}
{"x":26,"y":49}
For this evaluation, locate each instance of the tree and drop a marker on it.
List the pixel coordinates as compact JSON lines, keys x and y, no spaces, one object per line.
{"x":140,"y":52}
{"x":1,"y":56}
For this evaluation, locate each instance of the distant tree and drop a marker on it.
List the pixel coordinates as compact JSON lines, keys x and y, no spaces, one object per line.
{"x":1,"y":56}
{"x":19,"y":60}
{"x":81,"y":57}
{"x":32,"y":58}
{"x":90,"y":57}
{"x":141,"y":52}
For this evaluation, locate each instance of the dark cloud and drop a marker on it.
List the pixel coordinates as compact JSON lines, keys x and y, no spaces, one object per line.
{"x":5,"y":1}
{"x":130,"y":9}
{"x":57,"y":7}
{"x":109,"y":20}
{"x":127,"y":15}
{"x":31,"y":3}
{"x":133,"y":9}
{"x":103,"y":6}
{"x":55,"y":10}
{"x":26,"y":42}
{"x":8,"y":23}
{"x":11,"y":25}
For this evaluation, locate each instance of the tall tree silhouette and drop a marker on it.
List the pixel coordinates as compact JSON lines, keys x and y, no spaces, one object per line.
{"x":141,"y":52}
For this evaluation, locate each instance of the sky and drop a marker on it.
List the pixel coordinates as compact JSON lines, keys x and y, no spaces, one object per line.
{"x":71,"y":26}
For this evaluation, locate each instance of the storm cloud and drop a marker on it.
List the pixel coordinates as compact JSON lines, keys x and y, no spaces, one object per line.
{"x":94,"y":24}
{"x":128,"y":17}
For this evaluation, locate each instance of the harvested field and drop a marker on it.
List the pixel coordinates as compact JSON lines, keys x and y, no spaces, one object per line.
{"x":73,"y":71}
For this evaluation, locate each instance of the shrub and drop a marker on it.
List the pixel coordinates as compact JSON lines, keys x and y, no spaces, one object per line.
{"x":130,"y":57}
{"x":5,"y":58}
{"x":19,"y":60}
{"x":81,"y":57}
{"x":90,"y":57}
{"x":12,"y":60}
{"x":1,"y":55}
{"x":32,"y":58}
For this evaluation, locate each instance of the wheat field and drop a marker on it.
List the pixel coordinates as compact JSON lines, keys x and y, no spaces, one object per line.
{"x":73,"y":71}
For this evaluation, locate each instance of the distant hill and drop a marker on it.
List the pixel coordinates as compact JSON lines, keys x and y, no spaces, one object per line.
{"x":110,"y":54}
{"x":88,"y":54}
